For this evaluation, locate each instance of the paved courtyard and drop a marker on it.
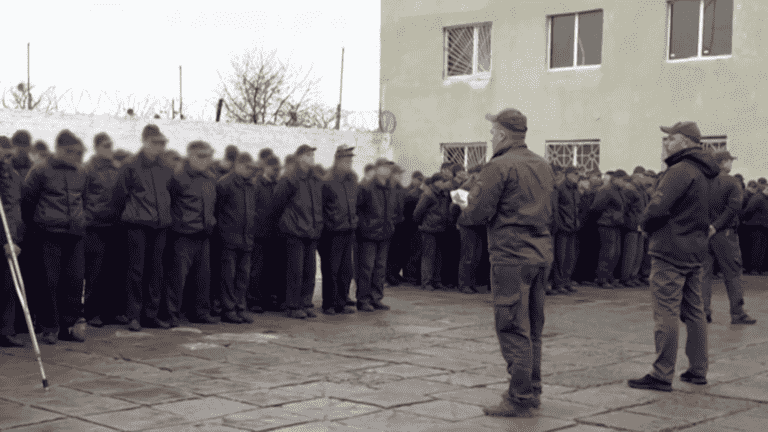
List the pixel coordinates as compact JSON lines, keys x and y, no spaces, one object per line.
{"x":429,"y":364}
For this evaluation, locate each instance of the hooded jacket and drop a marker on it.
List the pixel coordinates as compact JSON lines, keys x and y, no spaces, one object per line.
{"x":141,"y":192}
{"x":377,"y":209}
{"x":298,"y":200}
{"x":433,"y":212}
{"x":340,"y":201}
{"x":513,"y":197}
{"x":725,"y":202}
{"x":193,"y":200}
{"x":52,"y":197}
{"x":677,"y":217}
{"x":100,"y":180}
{"x":236,"y":211}
{"x":11,"y":184}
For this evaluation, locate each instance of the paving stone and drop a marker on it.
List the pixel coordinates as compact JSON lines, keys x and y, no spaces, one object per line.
{"x":693,"y":407}
{"x":610,"y":397}
{"x":119,"y":368}
{"x":417,"y":386}
{"x":137,"y":419}
{"x":264,"y":419}
{"x":319,"y":427}
{"x":446,"y":410}
{"x":267,"y":398}
{"x":181,"y":363}
{"x":407,"y":371}
{"x":566,"y":410}
{"x":204,"y":409}
{"x":489,"y":424}
{"x":254,"y":337}
{"x":388,"y":399}
{"x":715,"y":426}
{"x":445,"y":364}
{"x":394,"y":421}
{"x":467,"y":379}
{"x":635,"y":422}
{"x":410,"y":342}
{"x":588,"y":428}
{"x":209,"y":387}
{"x":754,"y":388}
{"x":64,"y":425}
{"x":72,"y":402}
{"x":18,"y":415}
{"x":329,"y":409}
{"x":106,"y":385}
{"x":600,"y":376}
{"x":468,"y":333}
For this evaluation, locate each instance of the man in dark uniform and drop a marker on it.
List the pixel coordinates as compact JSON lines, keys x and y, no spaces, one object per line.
{"x":10,"y":189}
{"x":267,"y":288}
{"x":514,"y":199}
{"x":724,"y":208}
{"x":677,"y":221}
{"x":23,"y":160}
{"x":568,"y":226}
{"x":412,"y":270}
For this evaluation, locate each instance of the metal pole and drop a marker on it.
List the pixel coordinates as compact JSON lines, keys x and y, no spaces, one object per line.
{"x":181,"y":116}
{"x":29,"y":91}
{"x":18,"y":283}
{"x":341,"y":84}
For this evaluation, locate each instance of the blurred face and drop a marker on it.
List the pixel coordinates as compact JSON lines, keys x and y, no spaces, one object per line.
{"x":416,"y":182}
{"x":153,"y":147}
{"x":245,"y":169}
{"x":583,"y":185}
{"x":726,"y":165}
{"x":307,"y":160}
{"x":270,"y":171}
{"x":675,"y":143}
{"x":345,"y":164}
{"x":6,"y":155}
{"x":595,"y":181}
{"x":104,"y":149}
{"x":71,"y":154}
{"x":397,"y":178}
{"x":369,"y":174}
{"x":447,"y":173}
{"x":383,"y":172}
{"x":200,"y":160}
{"x":497,"y":135}
{"x":573,"y":177}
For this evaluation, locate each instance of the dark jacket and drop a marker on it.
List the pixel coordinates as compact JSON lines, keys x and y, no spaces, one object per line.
{"x":100,"y":180}
{"x":22,"y":164}
{"x":513,"y":197}
{"x":400,"y":192}
{"x":376,"y":211}
{"x":586,"y":218}
{"x":236,"y":211}
{"x":298,"y":200}
{"x":725,"y":202}
{"x":610,"y":205}
{"x":677,"y":218}
{"x":340,"y":201}
{"x":634,"y":204}
{"x":433,"y":213}
{"x":193,"y":200}
{"x":11,"y":185}
{"x":567,"y":210}
{"x":756,"y":213}
{"x":141,"y":192}
{"x":266,"y":221}
{"x":410,"y":200}
{"x":52,"y":197}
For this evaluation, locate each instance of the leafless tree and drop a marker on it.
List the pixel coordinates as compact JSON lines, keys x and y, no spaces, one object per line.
{"x":262,"y":89}
{"x":20,"y":97}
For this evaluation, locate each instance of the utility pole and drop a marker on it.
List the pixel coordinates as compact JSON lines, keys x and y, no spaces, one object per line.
{"x":181,"y":116}
{"x":29,"y":90}
{"x":341,"y":83}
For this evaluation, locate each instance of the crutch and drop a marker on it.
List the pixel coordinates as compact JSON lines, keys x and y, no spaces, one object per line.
{"x":18,"y":283}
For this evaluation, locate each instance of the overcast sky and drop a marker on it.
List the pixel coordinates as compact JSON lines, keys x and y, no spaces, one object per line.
{"x":136,"y":47}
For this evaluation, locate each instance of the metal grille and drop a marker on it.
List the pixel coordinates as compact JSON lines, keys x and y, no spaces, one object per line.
{"x":468,"y":50}
{"x":584,"y":155}
{"x":466,"y":155}
{"x":714,"y":142}
{"x":484,"y":48}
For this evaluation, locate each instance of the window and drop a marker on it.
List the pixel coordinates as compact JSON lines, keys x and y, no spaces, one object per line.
{"x":700,"y":28}
{"x":466,"y":154}
{"x":576,"y":40}
{"x":467,"y":50}
{"x":583,"y":154}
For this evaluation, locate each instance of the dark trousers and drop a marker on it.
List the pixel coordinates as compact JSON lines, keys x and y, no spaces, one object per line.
{"x":192,"y":257}
{"x":370,"y":270}
{"x":413,"y":265}
{"x":267,"y":288}
{"x":518,"y":298}
{"x":217,"y":249}
{"x":29,"y":263}
{"x":451,"y":251}
{"x":104,"y":272}
{"x":565,"y":258}
{"x":589,"y":252}
{"x":8,"y":300}
{"x":745,"y":244}
{"x":759,"y":238}
{"x":433,"y":247}
{"x":645,"y":265}
{"x":335,"y":250}
{"x":59,"y":302}
{"x":235,"y":277}
{"x":629,"y":255}
{"x":143,"y":284}
{"x":724,"y":249}
{"x":397,"y":254}
{"x":610,"y":251}
{"x":300,"y":273}
{"x":471,"y":254}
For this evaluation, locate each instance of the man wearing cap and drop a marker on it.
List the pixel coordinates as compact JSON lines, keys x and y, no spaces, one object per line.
{"x":412,"y":270}
{"x":340,"y":221}
{"x":104,"y":299}
{"x":398,"y":247}
{"x":677,"y":222}
{"x":513,"y":198}
{"x":298,"y":200}
{"x":724,"y":208}
{"x":609,"y":204}
{"x":10,"y":191}
{"x":377,"y":212}
{"x":568,"y":226}
{"x":236,"y":217}
{"x":634,"y":204}
{"x":144,"y":204}
{"x":193,"y":202}
{"x":52,"y":200}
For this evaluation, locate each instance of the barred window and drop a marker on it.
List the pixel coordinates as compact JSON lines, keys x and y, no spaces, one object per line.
{"x":467,"y":50}
{"x":465,"y":154}
{"x":700,"y":28}
{"x":576,"y":39}
{"x":583,"y":154}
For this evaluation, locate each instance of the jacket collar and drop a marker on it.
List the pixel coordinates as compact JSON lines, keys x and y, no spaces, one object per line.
{"x":100,"y":162}
{"x":191,"y":172}
{"x":700,"y":159}
{"x":510,"y":144}
{"x":145,"y":162}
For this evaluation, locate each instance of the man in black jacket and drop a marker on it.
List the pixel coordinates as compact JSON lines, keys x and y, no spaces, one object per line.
{"x":724,"y":208}
{"x":267,"y":288}
{"x":412,"y":270}
{"x":634,"y":204}
{"x":298,"y":199}
{"x":514,"y":199}
{"x":568,"y":226}
{"x":433,"y":214}
{"x":193,"y":201}
{"x":144,"y":205}
{"x":10,"y":189}
{"x":23,"y":160}
{"x":104,"y":298}
{"x":52,"y":200}
{"x":398,"y":247}
{"x":677,"y":220}
{"x":610,"y":205}
{"x":236,"y":222}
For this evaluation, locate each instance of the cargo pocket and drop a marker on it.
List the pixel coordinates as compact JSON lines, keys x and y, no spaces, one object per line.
{"x":505,"y":284}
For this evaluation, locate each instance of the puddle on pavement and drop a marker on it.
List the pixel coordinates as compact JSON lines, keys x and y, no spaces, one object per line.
{"x":242,"y":337}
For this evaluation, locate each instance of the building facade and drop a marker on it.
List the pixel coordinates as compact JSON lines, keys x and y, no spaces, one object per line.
{"x":596,"y":78}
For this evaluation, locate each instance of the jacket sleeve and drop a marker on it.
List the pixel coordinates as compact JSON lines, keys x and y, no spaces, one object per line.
{"x":121,"y":190}
{"x":556,"y":222}
{"x":483,"y":199}
{"x":30,"y":193}
{"x":284,"y":191}
{"x":220,"y":192}
{"x":671,"y":187}
{"x":86,"y":188}
{"x":425,"y":202}
{"x":752,"y":206}
{"x":731,"y":210}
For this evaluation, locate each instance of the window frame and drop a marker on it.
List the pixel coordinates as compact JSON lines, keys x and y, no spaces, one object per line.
{"x":465,"y":146}
{"x":475,"y":51}
{"x":550,"y":28}
{"x":700,"y":44}
{"x":574,"y":143}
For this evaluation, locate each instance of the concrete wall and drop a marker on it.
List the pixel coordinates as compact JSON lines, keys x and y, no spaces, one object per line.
{"x":622,"y":102}
{"x":127,"y":135}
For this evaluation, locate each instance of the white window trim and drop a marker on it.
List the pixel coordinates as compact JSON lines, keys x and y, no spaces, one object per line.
{"x":700,"y":45}
{"x":475,"y":53}
{"x":575,"y":46}
{"x":466,"y":146}
{"x":574,"y":143}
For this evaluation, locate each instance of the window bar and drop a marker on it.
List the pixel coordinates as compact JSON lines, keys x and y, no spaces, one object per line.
{"x":466,"y":156}
{"x":446,"y":49}
{"x":670,"y":55}
{"x":575,"y":39}
{"x":575,"y":155}
{"x":700,"y":43}
{"x":549,"y":42}
{"x":475,"y":48}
